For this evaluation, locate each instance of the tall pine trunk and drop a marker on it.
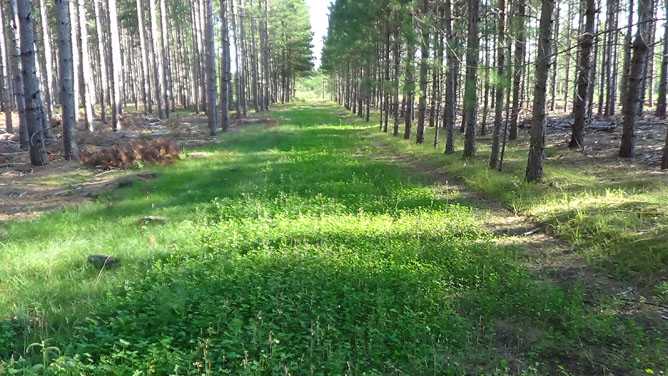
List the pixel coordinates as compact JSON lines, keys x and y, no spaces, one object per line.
{"x":116,"y":71}
{"x":450,"y":82}
{"x":636,"y":79}
{"x":47,"y":57}
{"x":534,"y":170}
{"x":31,"y":87}
{"x":145,"y":90}
{"x":5,"y":81}
{"x":70,"y":148}
{"x":470,"y":90}
{"x":225,"y":77}
{"x":424,"y":68}
{"x":158,"y":63}
{"x":17,"y":84}
{"x":661,"y":100}
{"x":580,"y":104}
{"x":500,"y":74}
{"x":101,"y":48}
{"x":210,"y":69}
{"x":85,"y":74}
{"x":520,"y":42}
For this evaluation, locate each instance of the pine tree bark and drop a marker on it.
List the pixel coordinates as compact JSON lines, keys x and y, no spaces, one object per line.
{"x":628,"y":45}
{"x":47,"y":57}
{"x":396,"y":57}
{"x":158,"y":62}
{"x":17,"y":85}
{"x":76,"y":61}
{"x":225,"y":79}
{"x":534,"y":171}
{"x":424,"y":68}
{"x":31,"y":87}
{"x":71,"y":151}
{"x":211,"y":70}
{"x":470,"y":90}
{"x":116,"y":71}
{"x":164,"y":54}
{"x":661,"y":100}
{"x":580,"y":103}
{"x":636,"y":78}
{"x":520,"y":42}
{"x":85,"y":67}
{"x":102,"y":61}
{"x":450,"y":82}
{"x":500,"y":74}
{"x":409,"y":90}
{"x":144,"y":60}
{"x":5,"y":70}
{"x":555,"y":68}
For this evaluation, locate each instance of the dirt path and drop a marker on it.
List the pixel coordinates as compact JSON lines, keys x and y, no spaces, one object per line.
{"x":547,"y":256}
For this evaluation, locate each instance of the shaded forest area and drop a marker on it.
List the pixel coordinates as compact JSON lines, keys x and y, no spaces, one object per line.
{"x":72,"y":69}
{"x":591,"y":73}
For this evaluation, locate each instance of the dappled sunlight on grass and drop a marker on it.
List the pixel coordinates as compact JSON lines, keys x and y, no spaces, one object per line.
{"x":289,"y":249}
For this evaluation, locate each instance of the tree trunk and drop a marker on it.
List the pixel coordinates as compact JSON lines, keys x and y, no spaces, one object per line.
{"x":410,"y":81}
{"x":555,"y":68}
{"x":661,"y":100}
{"x":48,"y":62}
{"x":636,"y":78}
{"x":158,"y":66}
{"x":211,"y":70}
{"x":85,"y":74}
{"x":144,"y":60}
{"x":70,"y":148}
{"x":534,"y":170}
{"x":520,"y":42}
{"x":5,"y":70}
{"x":164,"y":61}
{"x":500,"y":74}
{"x":101,"y":48}
{"x":450,"y":81}
{"x":116,"y":71}
{"x":15,"y":53}
{"x":627,"y":51}
{"x":396,"y":52}
{"x":225,"y":79}
{"x":76,"y":60}
{"x":470,"y":91}
{"x":580,"y":104}
{"x":33,"y":98}
{"x":424,"y":68}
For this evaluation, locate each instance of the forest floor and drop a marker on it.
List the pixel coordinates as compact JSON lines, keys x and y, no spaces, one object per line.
{"x":27,"y":192}
{"x":324,"y":246}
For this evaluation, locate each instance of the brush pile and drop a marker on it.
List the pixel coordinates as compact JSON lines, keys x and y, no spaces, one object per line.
{"x":132,"y":154}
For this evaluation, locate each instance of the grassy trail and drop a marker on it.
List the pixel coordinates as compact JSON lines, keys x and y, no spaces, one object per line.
{"x":293,"y":249}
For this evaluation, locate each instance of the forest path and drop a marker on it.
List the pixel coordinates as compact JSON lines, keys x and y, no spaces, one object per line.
{"x":310,"y":246}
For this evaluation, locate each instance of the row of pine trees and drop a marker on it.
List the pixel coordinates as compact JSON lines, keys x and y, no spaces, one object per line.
{"x":490,"y":60}
{"x":83,"y":62}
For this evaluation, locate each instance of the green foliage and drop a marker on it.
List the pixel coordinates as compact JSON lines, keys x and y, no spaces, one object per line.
{"x":292,"y":38}
{"x":293,"y":249}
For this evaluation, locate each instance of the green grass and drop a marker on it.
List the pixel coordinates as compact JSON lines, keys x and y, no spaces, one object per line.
{"x":614,"y":215}
{"x":292,"y":250}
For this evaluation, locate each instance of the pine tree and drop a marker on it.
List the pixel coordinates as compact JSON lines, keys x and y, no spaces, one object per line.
{"x":71,"y":151}
{"x":534,"y":170}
